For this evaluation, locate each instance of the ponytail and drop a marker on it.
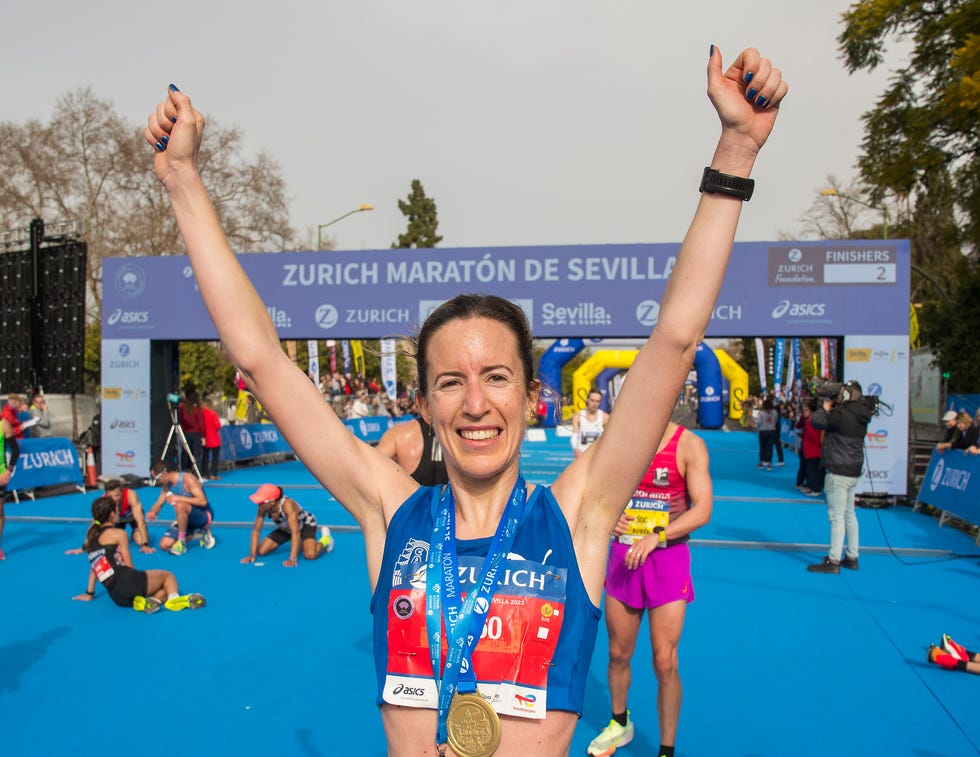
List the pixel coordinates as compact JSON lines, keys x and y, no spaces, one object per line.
{"x":102,"y":510}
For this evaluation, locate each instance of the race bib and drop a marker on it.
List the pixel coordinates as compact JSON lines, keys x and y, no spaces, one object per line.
{"x":647,"y":514}
{"x":516,"y":645}
{"x":103,"y":569}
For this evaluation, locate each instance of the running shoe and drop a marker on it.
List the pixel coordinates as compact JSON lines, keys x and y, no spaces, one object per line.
{"x":938,"y":657}
{"x":178,"y":548}
{"x":955,"y":650}
{"x":613,"y":735}
{"x":207,"y":539}
{"x":185,"y":602}
{"x":149,"y":605}
{"x":326,"y":539}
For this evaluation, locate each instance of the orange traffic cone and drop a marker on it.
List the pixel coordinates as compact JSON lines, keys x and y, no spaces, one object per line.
{"x":91,"y":477}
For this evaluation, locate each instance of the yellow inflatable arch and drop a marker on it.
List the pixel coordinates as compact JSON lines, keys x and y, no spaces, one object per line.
{"x":738,"y":383}
{"x":598,"y":362}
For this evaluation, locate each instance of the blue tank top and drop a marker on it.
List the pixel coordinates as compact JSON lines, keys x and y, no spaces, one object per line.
{"x":539,"y":635}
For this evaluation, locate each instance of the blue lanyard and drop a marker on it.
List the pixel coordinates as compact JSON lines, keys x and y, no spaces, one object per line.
{"x":464,"y":619}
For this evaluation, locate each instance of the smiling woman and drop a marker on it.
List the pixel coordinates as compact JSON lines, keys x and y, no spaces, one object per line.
{"x":486,"y":591}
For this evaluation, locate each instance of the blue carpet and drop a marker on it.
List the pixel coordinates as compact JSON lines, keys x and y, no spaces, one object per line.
{"x":774,"y":660}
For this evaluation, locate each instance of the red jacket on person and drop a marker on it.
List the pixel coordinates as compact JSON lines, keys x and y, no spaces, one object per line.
{"x":212,"y":428}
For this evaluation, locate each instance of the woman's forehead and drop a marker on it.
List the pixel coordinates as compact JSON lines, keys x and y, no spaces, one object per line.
{"x":481,"y":339}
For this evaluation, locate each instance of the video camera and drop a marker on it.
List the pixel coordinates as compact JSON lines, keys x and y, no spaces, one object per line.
{"x":839,"y":393}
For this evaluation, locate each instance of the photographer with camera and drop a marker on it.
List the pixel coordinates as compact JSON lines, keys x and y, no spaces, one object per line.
{"x":844,"y":421}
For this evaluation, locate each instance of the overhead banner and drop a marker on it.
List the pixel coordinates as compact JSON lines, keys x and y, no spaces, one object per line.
{"x":792,"y":289}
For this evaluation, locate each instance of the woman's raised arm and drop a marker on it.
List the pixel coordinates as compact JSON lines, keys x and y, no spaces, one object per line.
{"x":367,"y":484}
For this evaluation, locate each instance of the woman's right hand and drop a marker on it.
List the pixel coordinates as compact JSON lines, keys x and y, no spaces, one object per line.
{"x":174,"y":130}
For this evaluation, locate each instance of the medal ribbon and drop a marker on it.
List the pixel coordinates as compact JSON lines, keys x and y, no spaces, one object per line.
{"x":464,"y":619}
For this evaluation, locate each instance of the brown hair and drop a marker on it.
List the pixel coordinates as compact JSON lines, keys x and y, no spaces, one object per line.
{"x":469,"y":306}
{"x":102,"y":510}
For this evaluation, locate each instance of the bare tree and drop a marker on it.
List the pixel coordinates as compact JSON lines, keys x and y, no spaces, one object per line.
{"x":89,"y":164}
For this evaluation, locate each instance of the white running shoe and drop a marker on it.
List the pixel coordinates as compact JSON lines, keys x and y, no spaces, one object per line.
{"x":326,"y":539}
{"x":207,"y":538}
{"x":613,"y":735}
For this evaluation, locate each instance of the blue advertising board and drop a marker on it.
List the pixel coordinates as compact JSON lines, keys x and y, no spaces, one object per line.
{"x":952,"y":483}
{"x":46,"y":461}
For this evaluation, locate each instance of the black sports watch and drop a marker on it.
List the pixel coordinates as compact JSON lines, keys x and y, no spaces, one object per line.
{"x":715,"y":182}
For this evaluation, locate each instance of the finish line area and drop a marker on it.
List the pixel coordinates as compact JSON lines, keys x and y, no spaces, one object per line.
{"x":774,"y":660}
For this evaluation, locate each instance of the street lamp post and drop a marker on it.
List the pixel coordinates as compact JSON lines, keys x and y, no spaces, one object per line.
{"x":831,"y":192}
{"x":322,"y":226}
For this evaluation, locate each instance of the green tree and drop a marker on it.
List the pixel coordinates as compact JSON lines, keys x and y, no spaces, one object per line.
{"x":422,"y":218}
{"x":921,"y":139}
{"x":203,"y":366}
{"x":950,"y":328}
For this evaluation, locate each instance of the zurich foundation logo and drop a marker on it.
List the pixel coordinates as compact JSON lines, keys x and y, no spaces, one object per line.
{"x":123,"y":350}
{"x":937,"y":476}
{"x":130,"y":281}
{"x":246,"y":439}
{"x":874,"y":390}
{"x":795,"y":255}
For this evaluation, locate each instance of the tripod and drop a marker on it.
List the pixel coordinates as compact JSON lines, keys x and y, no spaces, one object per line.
{"x":180,"y":442}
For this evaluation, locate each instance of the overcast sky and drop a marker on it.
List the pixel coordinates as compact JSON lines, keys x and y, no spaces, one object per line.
{"x":529,"y":122}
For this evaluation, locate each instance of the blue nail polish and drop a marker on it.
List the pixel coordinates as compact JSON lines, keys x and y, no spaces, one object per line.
{"x":166,"y":140}
{"x":160,"y":147}
{"x":761,"y":102}
{"x":750,"y":95}
{"x":711,"y":51}
{"x":173,"y":88}
{"x":748,"y":77}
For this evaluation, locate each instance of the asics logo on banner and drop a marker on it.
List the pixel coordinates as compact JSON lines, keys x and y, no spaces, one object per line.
{"x":326,"y":316}
{"x":127,"y":316}
{"x":876,"y":474}
{"x":122,"y":425}
{"x":647,"y":312}
{"x":246,"y":439}
{"x":411,"y":691}
{"x":130,"y":281}
{"x":799,"y":309}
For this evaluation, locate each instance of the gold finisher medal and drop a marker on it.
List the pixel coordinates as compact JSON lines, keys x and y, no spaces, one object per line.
{"x":472,"y":725}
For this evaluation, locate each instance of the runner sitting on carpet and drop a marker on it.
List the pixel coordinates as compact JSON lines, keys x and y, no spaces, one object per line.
{"x":111,"y":564}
